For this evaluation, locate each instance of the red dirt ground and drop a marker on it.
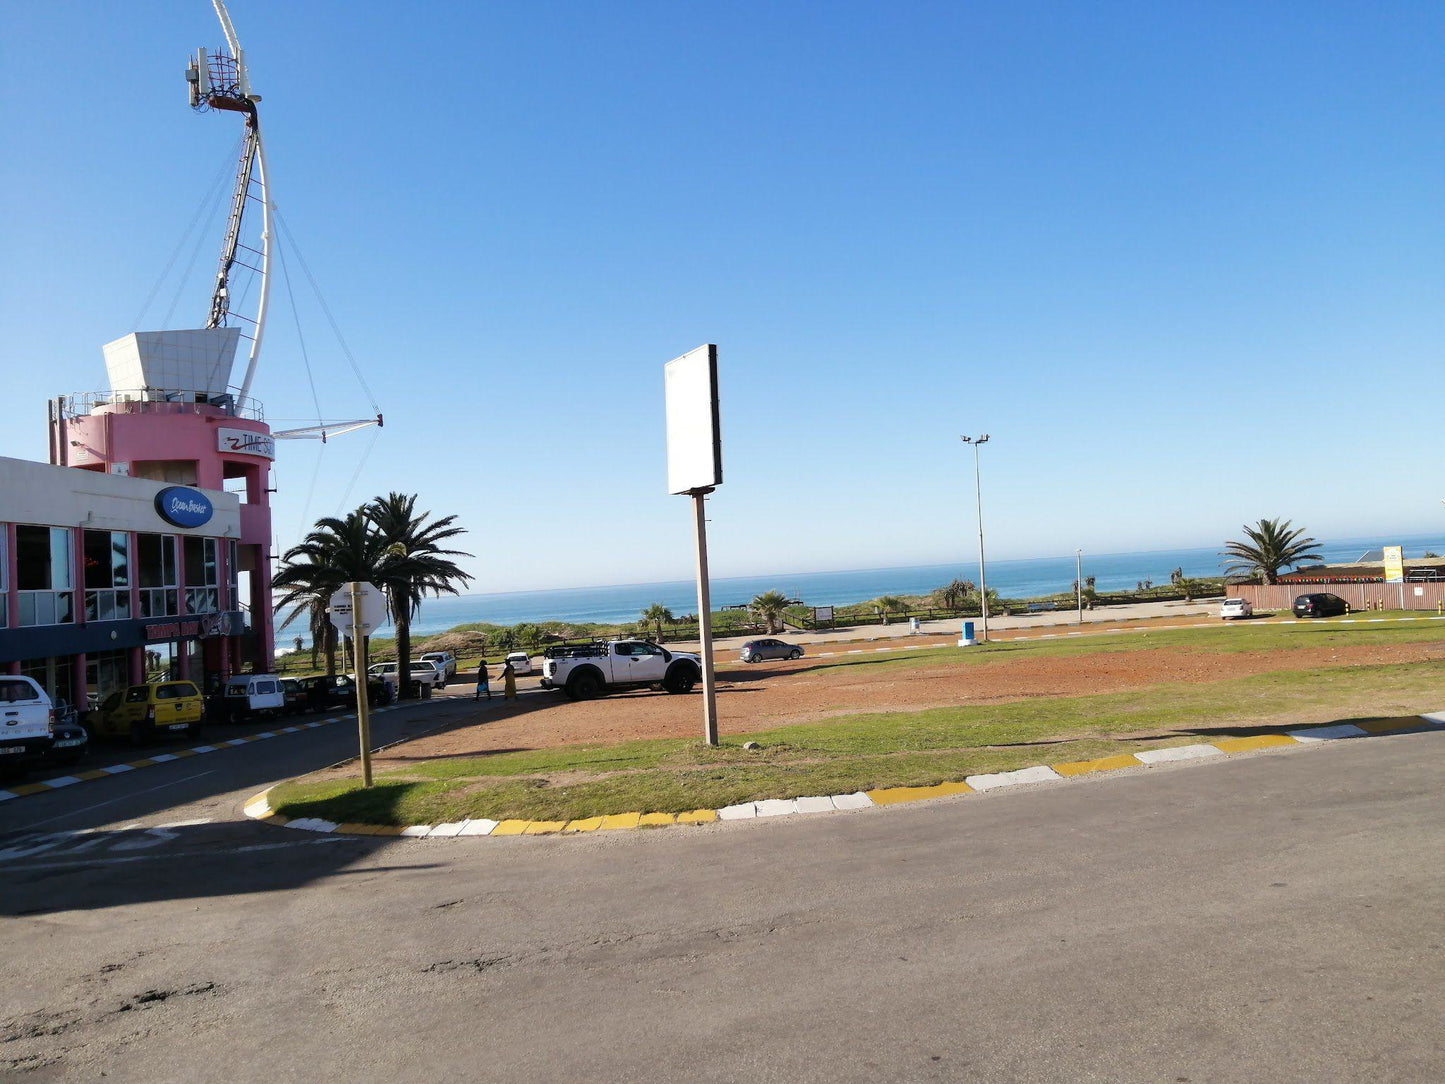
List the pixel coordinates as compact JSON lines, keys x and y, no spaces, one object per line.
{"x":773,"y":694}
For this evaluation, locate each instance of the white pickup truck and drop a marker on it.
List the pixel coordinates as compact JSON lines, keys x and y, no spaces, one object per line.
{"x":27,"y":721}
{"x":583,"y":671}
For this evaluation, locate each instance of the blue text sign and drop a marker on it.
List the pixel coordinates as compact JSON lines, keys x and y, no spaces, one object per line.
{"x":184,"y":507}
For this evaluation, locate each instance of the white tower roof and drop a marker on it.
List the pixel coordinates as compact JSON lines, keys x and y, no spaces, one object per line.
{"x":186,"y":364}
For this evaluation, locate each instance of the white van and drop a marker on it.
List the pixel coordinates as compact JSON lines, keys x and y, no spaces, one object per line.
{"x":27,"y":720}
{"x":253,"y":694}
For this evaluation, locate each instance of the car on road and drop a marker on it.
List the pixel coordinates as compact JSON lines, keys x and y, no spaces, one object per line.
{"x":521,"y":662}
{"x":1320,"y":604}
{"x":446,"y":660}
{"x":1235,"y":608}
{"x":142,"y":713}
{"x":583,"y":671}
{"x":27,"y":721}
{"x":295,"y":700}
{"x":762,"y":650}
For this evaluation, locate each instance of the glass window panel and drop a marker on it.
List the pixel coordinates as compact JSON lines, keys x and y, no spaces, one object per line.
{"x":32,"y":555}
{"x":120,"y":559}
{"x":59,"y":558}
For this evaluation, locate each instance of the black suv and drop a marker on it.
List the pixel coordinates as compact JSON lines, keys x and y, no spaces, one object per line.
{"x":1322,"y":604}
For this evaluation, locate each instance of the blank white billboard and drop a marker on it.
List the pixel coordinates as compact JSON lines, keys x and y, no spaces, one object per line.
{"x":694,"y":444}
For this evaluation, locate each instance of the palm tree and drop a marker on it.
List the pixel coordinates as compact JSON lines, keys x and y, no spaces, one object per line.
{"x":889,"y":604}
{"x":954,"y":595}
{"x":656,"y":614}
{"x":335,"y":552}
{"x":414,"y":565}
{"x":770,"y":606}
{"x":1272,"y":546}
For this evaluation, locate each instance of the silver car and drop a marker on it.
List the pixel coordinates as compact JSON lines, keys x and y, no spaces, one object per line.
{"x":759,"y":650}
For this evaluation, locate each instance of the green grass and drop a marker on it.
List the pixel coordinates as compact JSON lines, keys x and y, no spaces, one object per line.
{"x":858,"y":752}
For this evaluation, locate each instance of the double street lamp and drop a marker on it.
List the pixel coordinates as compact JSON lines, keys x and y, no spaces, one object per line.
{"x":978,"y":496}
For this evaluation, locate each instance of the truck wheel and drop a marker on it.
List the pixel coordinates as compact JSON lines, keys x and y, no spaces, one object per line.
{"x":680,"y":679}
{"x":584,"y":686}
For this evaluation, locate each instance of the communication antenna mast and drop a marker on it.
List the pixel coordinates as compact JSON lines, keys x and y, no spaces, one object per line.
{"x":221,"y":81}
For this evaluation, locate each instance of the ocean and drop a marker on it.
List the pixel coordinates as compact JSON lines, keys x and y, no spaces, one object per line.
{"x":1011,"y":579}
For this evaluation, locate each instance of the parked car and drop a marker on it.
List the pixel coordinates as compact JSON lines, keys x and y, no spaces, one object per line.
{"x":521,"y":662}
{"x":144,"y":712}
{"x":1235,"y":608}
{"x":339,"y":693}
{"x":27,"y":721}
{"x":1320,"y":604}
{"x":758,"y":650}
{"x":294,"y":695}
{"x":422,"y":670}
{"x":72,"y":740}
{"x":249,"y":695}
{"x":446,"y":660}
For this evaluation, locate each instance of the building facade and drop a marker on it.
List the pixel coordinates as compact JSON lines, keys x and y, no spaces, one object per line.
{"x":107,"y":580}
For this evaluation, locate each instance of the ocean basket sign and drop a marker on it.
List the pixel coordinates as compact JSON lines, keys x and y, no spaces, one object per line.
{"x":184,"y":507}
{"x":245,"y":442}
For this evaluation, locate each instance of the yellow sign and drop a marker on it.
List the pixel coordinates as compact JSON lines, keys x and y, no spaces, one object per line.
{"x":1394,"y":564}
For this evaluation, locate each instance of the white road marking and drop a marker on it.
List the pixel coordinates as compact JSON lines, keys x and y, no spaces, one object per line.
{"x":115,"y":861}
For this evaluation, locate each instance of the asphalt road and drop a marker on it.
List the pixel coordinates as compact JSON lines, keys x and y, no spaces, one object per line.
{"x":1272,"y":917}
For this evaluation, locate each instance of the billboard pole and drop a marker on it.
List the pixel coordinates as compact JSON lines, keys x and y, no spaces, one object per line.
{"x":694,"y":469}
{"x":704,"y":617}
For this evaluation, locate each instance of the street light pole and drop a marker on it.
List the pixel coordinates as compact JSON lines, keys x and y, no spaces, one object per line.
{"x":978,"y":497}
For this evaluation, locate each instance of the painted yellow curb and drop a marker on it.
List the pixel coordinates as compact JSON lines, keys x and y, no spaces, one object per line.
{"x":1102,"y":764}
{"x":510,"y":828}
{"x":586,"y":824}
{"x":541,"y":828}
{"x":697,"y":816}
{"x":620,"y":820}
{"x":1259,"y":741}
{"x":894,"y":795}
{"x":656,"y":820}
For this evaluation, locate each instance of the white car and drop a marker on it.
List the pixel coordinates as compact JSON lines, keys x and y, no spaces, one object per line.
{"x":1236,"y":607}
{"x":426,"y":672}
{"x":521,"y":662}
{"x":446,"y":660}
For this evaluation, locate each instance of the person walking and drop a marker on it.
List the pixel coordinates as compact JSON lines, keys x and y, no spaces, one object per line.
{"x":484,"y":683}
{"x":509,"y":681}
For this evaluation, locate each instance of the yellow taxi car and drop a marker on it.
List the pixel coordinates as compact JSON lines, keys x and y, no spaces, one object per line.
{"x":141,"y":712}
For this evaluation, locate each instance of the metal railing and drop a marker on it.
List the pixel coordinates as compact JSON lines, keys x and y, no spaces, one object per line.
{"x":154,"y":401}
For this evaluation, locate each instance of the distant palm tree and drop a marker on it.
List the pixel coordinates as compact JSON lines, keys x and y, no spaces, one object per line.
{"x":955,"y":594}
{"x":889,"y":604}
{"x":414,"y":565}
{"x":1272,"y":546}
{"x":655,"y":615}
{"x":770,"y":606}
{"x":335,"y":552}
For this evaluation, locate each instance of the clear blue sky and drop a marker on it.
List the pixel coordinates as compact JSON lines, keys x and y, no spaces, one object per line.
{"x":1185,"y":262}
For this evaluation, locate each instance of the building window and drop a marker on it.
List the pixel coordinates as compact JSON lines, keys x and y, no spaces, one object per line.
{"x":233,"y":573}
{"x":4,"y":581}
{"x":156,"y":574}
{"x":43,"y":574}
{"x":107,"y":575}
{"x":105,"y":672}
{"x":203,"y":595}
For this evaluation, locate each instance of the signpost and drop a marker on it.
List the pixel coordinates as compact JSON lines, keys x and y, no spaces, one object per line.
{"x":357,"y":610}
{"x":694,"y":468}
{"x":1395,"y":568}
